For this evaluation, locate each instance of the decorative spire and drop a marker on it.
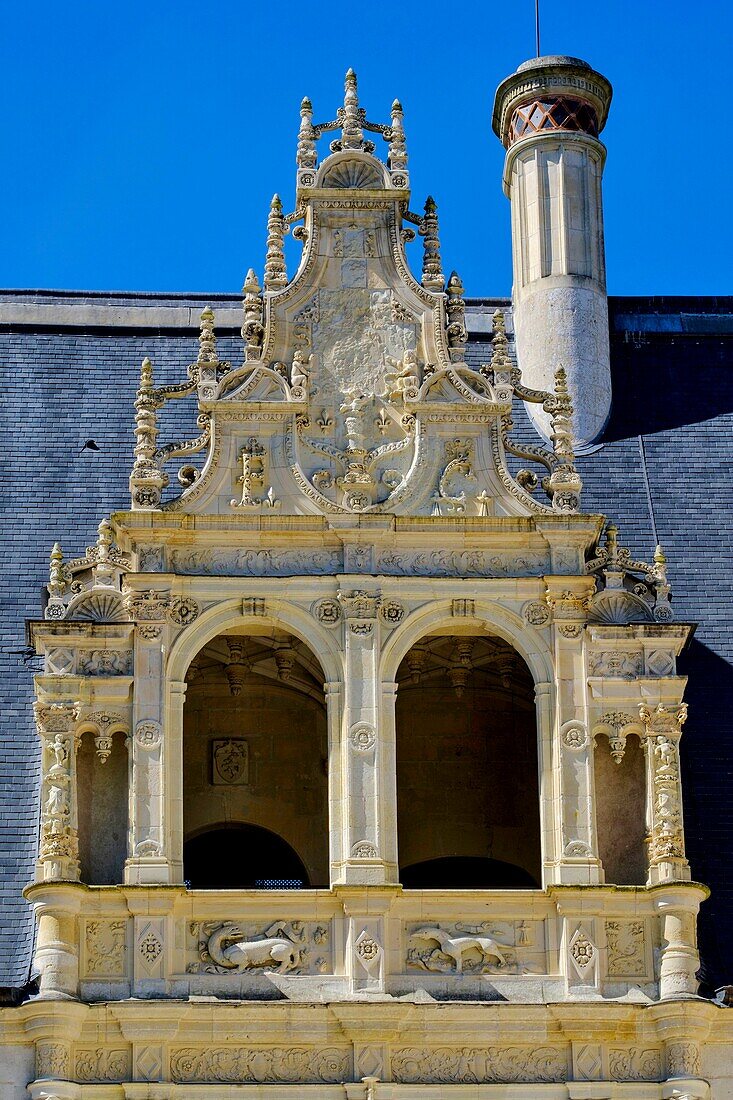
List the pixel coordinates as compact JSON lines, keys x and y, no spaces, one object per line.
{"x":562,"y":419}
{"x":146,"y":480}
{"x":55,"y":608}
{"x":432,"y":274}
{"x":275,"y":273}
{"x":252,"y":330}
{"x":500,"y":355}
{"x":456,"y":308}
{"x":397,"y":150}
{"x":103,"y":572}
{"x":352,"y":136}
{"x":306,"y":153}
{"x":207,"y":338}
{"x":564,"y":483}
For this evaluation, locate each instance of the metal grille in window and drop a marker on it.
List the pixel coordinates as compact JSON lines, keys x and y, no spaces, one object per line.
{"x":279,"y":884}
{"x":556,"y":114}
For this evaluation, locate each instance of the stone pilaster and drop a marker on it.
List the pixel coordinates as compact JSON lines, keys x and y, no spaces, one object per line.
{"x":574,"y":858}
{"x":663,"y":726}
{"x":366,"y":821}
{"x":59,"y":844}
{"x":149,"y":854}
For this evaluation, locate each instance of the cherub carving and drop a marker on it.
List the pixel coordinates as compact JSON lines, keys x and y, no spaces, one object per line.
{"x":403,"y":381}
{"x":299,"y":374}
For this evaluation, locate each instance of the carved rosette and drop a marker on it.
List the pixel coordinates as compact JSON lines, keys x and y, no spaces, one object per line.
{"x":59,"y":844}
{"x":663,"y":728}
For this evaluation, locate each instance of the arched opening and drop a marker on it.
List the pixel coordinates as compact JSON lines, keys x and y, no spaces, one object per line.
{"x":242,"y":857}
{"x":467,"y":770}
{"x":620,"y":811}
{"x":255,"y":752}
{"x":101,"y":783}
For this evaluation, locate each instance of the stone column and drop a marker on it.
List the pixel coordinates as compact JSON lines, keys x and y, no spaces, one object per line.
{"x":58,"y":857}
{"x":575,"y":856}
{"x":548,"y":116}
{"x":149,"y":847}
{"x":366,"y":822}
{"x":56,"y":907}
{"x":667,"y":862}
{"x":679,"y":960}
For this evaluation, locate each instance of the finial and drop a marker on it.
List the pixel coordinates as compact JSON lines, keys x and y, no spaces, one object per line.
{"x":275,"y":273}
{"x":251,"y":283}
{"x":56,"y":584}
{"x":104,"y":539}
{"x":660,"y":558}
{"x":397,"y":150}
{"x":207,"y":337}
{"x":146,"y":374}
{"x":252,"y":329}
{"x":146,"y":480}
{"x":432,"y":274}
{"x":564,"y":483}
{"x":306,"y":153}
{"x":500,"y":354}
{"x":456,"y":309}
{"x":352,"y":136}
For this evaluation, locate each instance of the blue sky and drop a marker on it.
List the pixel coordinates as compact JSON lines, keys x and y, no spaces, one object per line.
{"x":143,"y":141}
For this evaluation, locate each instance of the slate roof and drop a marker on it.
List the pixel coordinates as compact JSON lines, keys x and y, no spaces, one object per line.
{"x":664,"y":472}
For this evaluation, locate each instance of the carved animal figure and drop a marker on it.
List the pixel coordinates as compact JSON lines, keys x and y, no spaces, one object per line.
{"x":455,"y":947}
{"x":228,"y":947}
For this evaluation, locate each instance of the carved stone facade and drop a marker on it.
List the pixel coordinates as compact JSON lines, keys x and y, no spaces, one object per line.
{"x":358,"y":530}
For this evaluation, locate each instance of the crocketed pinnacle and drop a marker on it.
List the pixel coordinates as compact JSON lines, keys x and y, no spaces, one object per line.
{"x":275,"y":273}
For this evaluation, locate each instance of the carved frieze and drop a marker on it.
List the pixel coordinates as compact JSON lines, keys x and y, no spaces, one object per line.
{"x":230,"y":947}
{"x":460,"y":563}
{"x":260,"y":1065}
{"x":479,"y":1065}
{"x":683,"y":1060}
{"x":452,"y":951}
{"x":255,"y":563}
{"x":52,"y":1060}
{"x":106,"y":662}
{"x":626,"y":948}
{"x":617,"y":664}
{"x":105,"y":947}
{"x":635,"y":1064}
{"x":98,"y":1065}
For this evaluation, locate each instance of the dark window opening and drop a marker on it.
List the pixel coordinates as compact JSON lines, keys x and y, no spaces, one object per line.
{"x":242,"y":857}
{"x":466,"y":873}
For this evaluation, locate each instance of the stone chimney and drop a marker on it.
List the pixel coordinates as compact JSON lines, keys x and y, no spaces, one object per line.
{"x":548,"y":115}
